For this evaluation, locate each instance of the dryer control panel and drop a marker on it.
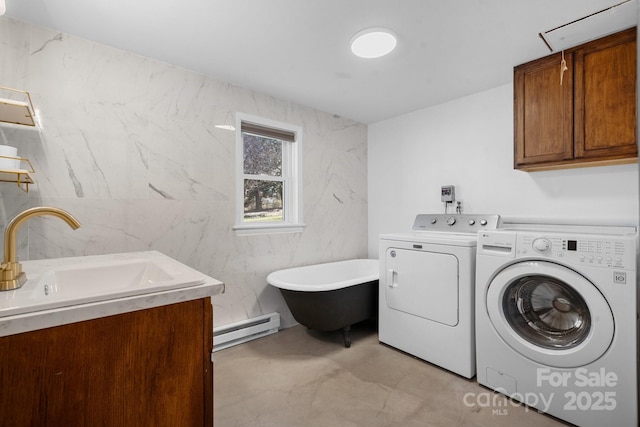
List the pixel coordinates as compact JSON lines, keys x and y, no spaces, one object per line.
{"x":459,"y":223}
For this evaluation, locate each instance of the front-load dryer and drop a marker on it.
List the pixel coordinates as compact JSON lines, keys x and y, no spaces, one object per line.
{"x":426,"y":300}
{"x":557,"y":321}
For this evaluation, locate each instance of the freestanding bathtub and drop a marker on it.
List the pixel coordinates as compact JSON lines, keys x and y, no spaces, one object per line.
{"x":331,"y":296}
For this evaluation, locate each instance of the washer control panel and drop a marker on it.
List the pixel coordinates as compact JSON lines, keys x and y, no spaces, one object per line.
{"x":603,"y":251}
{"x":598,"y":250}
{"x":457,"y":223}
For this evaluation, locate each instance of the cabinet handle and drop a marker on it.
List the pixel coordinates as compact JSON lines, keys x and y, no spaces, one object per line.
{"x":563,"y":68}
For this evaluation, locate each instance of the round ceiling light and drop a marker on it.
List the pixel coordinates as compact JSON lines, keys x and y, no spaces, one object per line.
{"x":373,"y":42}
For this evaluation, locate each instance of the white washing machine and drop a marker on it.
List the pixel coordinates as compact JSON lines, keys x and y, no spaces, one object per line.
{"x":427,"y":289}
{"x":557,"y":321}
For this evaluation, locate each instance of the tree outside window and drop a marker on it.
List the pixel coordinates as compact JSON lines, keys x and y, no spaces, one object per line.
{"x":263,"y":183}
{"x":269,"y":176}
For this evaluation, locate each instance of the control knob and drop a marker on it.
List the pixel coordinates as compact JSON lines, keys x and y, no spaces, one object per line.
{"x":451,"y":221}
{"x":483,"y":222}
{"x":471,"y":221}
{"x":542,"y":245}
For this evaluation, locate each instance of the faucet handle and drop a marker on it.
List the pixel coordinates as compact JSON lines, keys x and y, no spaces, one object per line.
{"x":11,"y":276}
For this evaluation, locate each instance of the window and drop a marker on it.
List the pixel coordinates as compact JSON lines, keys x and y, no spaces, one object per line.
{"x":269,"y":189}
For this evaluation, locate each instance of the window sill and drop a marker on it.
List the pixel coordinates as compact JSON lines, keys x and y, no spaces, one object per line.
{"x":253,"y":229}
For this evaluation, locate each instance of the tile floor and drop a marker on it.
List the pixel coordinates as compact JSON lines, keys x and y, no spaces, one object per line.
{"x":303,"y":378}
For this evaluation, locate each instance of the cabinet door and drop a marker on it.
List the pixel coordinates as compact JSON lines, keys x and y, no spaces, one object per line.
{"x":605,"y":97}
{"x":145,"y":368}
{"x":543,"y":112}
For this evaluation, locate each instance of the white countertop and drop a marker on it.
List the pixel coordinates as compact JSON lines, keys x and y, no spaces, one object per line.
{"x":25,"y":322}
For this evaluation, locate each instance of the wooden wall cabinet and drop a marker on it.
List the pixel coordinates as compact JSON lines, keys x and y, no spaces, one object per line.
{"x":589,"y":119}
{"x":144,"y":368}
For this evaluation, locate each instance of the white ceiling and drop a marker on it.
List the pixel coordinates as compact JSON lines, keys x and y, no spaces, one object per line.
{"x":299,"y":49}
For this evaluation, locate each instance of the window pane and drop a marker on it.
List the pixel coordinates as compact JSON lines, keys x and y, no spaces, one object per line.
{"x":262,"y":155}
{"x":262,"y":200}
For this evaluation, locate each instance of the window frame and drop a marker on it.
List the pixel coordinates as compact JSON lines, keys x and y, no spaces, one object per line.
{"x":291,"y":177}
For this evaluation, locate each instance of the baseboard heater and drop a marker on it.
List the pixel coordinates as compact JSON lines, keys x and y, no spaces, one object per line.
{"x":245,"y":330}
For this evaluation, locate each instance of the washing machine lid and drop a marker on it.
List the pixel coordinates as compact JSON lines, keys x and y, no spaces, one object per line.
{"x":550,"y":314}
{"x":513,"y":225}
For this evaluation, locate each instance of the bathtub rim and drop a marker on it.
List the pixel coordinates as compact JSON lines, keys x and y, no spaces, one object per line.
{"x":277,"y":280}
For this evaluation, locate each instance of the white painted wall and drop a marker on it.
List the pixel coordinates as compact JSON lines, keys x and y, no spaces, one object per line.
{"x":468,"y":142}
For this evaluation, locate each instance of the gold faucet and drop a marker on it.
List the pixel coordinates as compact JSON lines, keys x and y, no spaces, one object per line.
{"x":11,"y":274}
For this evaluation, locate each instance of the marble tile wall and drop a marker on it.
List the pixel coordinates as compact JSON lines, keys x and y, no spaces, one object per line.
{"x":128,"y":145}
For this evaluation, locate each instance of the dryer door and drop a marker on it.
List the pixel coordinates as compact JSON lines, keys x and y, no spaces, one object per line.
{"x":550,"y":314}
{"x":423,"y":284}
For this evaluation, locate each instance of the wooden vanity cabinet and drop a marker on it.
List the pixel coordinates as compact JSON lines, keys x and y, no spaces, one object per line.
{"x":589,"y":119}
{"x":144,"y":368}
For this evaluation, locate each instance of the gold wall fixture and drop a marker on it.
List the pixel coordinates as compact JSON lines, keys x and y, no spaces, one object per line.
{"x":20,"y":112}
{"x":21,"y":177}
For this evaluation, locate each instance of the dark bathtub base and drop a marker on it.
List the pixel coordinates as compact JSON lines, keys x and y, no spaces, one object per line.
{"x":334,"y":310}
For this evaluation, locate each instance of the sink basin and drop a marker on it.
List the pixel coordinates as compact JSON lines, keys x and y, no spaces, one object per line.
{"x":97,"y":281}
